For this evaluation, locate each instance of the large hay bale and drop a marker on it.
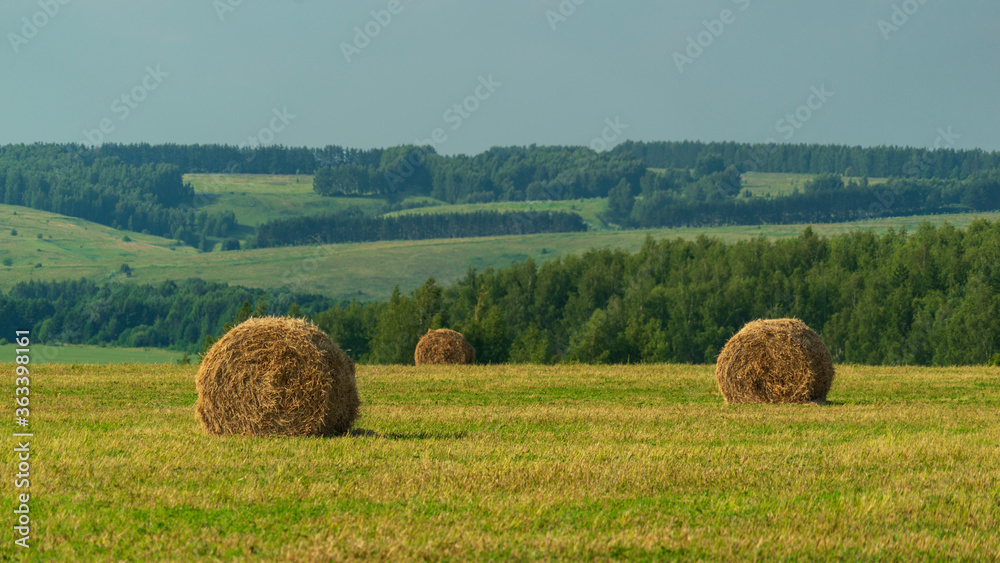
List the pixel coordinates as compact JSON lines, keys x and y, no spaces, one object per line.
{"x":774,"y":361}
{"x":274,"y":376}
{"x":444,"y":346}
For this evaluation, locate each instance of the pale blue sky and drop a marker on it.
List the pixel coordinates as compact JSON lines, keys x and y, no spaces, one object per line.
{"x":227,"y":75}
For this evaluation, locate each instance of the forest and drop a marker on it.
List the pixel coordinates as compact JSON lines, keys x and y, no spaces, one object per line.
{"x":675,"y":198}
{"x":871,"y":162}
{"x":930,"y":297}
{"x":150,"y":197}
{"x":353,"y":226}
{"x":174,"y":315}
{"x":685,"y":184}
{"x":856,"y":161}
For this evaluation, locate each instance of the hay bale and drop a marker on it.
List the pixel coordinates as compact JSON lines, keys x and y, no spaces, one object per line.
{"x":444,"y":346}
{"x":774,"y":361}
{"x":274,"y":376}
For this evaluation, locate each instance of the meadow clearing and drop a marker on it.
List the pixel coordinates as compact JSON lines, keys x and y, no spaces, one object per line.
{"x":517,"y":462}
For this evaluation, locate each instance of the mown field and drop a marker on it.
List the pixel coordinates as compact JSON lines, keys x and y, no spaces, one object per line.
{"x":520,"y":463}
{"x":73,"y":354}
{"x":74,"y":248}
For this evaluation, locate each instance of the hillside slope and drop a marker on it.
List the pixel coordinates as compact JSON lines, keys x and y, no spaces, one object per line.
{"x":74,"y":248}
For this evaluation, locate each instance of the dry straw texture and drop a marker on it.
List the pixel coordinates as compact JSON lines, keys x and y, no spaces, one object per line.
{"x":444,"y":346}
{"x":774,"y":361}
{"x":275,"y":376}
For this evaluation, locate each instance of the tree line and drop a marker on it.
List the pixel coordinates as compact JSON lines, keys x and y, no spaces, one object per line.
{"x":499,"y":174}
{"x":151,"y":197}
{"x":676,"y":199}
{"x":351,"y":225}
{"x":173,"y":315}
{"x":872,"y":162}
{"x":856,"y":161}
{"x":930,"y":297}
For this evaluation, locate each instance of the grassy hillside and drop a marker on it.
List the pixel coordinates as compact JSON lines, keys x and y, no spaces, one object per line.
{"x":70,"y":248}
{"x":258,"y":198}
{"x":521,"y":463}
{"x":364,"y":271}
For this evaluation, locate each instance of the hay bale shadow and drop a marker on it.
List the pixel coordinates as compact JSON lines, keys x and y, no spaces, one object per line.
{"x":426,"y":435}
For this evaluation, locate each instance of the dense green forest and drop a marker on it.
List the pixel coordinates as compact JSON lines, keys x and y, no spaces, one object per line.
{"x":150,"y":197}
{"x":874,"y":162}
{"x":931,"y":297}
{"x":499,"y":174}
{"x":353,"y":226}
{"x":675,"y":199}
{"x":168,"y":315}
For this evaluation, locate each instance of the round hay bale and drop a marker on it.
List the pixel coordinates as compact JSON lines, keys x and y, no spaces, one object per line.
{"x":275,"y":376}
{"x":444,"y":346}
{"x":774,"y":361}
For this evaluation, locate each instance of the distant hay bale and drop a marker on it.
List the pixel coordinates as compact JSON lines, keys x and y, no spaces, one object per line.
{"x":444,"y":346}
{"x":774,"y":361}
{"x":275,"y":376}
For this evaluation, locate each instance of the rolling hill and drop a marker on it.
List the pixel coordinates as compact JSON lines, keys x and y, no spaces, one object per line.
{"x":72,"y":248}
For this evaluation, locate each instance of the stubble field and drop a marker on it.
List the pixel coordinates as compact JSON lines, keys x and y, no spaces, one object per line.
{"x":522,"y":463}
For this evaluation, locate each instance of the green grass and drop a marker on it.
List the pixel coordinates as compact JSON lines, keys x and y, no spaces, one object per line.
{"x":767,"y":184}
{"x":520,"y":463}
{"x":72,"y":248}
{"x":365,"y":271}
{"x":92,"y":355}
{"x":258,"y":198}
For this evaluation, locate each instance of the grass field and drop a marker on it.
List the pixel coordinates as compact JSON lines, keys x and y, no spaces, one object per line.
{"x":776,"y":185}
{"x":520,"y":463}
{"x":93,"y":355}
{"x":258,"y":198}
{"x":82,"y":249}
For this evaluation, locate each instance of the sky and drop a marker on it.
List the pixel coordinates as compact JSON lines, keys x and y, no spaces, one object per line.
{"x":467,"y":75}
